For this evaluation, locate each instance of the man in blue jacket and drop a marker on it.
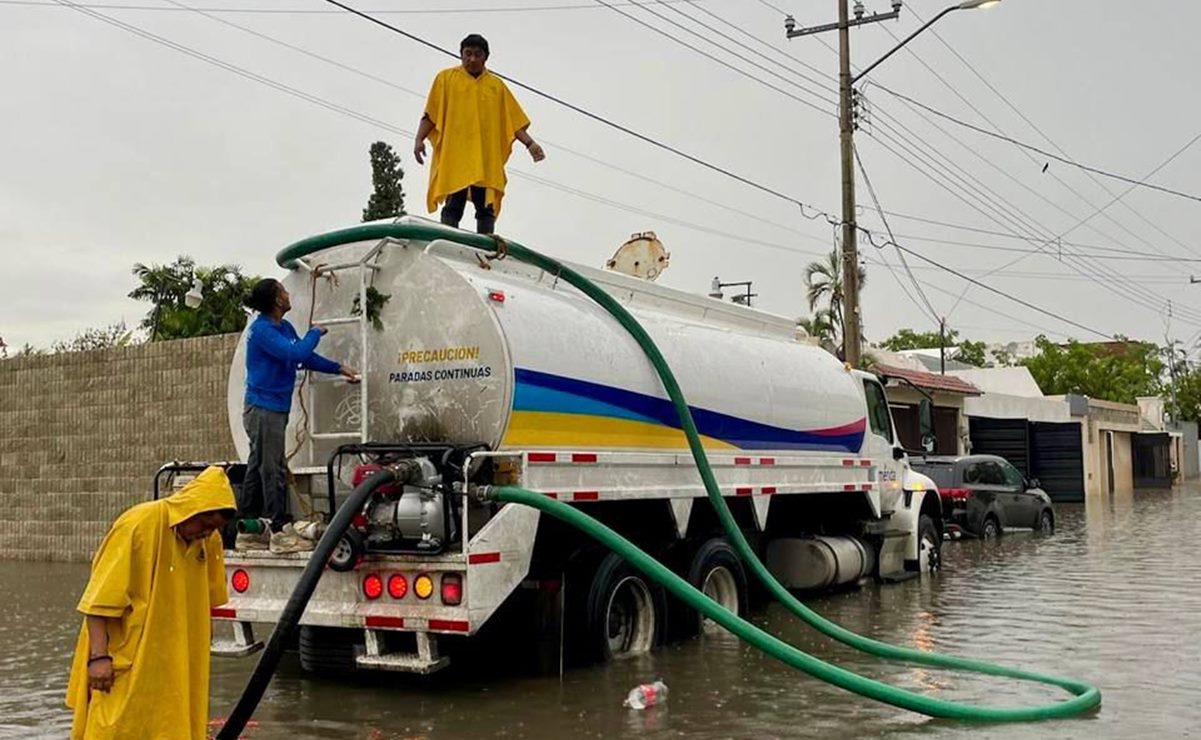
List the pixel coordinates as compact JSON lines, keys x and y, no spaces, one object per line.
{"x":274,"y":352}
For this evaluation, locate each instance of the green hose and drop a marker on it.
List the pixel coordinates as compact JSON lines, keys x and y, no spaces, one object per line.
{"x":1086,"y":696}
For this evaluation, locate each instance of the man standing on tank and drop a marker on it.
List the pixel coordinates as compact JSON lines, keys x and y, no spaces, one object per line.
{"x":274,"y":352}
{"x":472,"y":119}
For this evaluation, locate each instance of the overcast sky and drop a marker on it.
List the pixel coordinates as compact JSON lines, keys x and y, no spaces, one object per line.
{"x":117,"y":150}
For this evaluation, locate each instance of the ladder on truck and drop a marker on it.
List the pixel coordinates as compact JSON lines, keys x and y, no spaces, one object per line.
{"x":364,"y":267}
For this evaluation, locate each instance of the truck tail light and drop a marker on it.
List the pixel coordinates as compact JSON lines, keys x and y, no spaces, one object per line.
{"x":398,"y":586}
{"x":452,"y":589}
{"x":240,"y":580}
{"x":373,"y":586}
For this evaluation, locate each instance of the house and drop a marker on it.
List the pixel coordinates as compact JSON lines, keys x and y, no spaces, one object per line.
{"x":907,"y":387}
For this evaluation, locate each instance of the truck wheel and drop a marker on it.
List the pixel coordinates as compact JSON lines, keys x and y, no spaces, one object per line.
{"x":929,"y":546}
{"x":717,"y":571}
{"x":327,"y":649}
{"x":348,"y":552}
{"x":621,"y":613}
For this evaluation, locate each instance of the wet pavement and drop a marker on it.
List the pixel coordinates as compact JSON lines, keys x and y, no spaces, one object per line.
{"x":1113,"y":598}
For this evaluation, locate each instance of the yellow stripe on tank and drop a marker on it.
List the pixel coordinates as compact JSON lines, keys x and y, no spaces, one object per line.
{"x":550,"y":429}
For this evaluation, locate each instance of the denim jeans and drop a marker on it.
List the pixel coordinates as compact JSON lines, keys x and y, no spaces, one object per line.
{"x":264,"y":490}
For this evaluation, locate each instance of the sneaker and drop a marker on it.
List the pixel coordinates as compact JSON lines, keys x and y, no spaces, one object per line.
{"x":310,"y":530}
{"x":260,"y":540}
{"x":287,"y":541}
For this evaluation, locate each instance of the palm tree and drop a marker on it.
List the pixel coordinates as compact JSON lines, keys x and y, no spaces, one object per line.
{"x":820,"y":327}
{"x":823,"y":281}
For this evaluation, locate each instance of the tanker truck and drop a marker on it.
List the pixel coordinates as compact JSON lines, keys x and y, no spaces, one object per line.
{"x":480,"y":372}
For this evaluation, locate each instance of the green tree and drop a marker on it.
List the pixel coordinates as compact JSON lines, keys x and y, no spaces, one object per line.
{"x":388,"y":198}
{"x":823,"y":283}
{"x":1186,"y":406}
{"x":224,"y":290}
{"x":972,"y":353}
{"x":1120,"y":371}
{"x":104,"y":337}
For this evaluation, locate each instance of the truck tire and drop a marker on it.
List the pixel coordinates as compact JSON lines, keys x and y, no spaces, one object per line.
{"x":929,"y":546}
{"x":328,"y":650}
{"x":613,"y":613}
{"x":716,"y":570}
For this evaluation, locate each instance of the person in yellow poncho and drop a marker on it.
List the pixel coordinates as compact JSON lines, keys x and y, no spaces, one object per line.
{"x":471,"y":118}
{"x":141,"y":667}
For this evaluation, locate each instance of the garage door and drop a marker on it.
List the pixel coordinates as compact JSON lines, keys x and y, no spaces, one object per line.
{"x":1058,"y":459}
{"x":1004,"y":437}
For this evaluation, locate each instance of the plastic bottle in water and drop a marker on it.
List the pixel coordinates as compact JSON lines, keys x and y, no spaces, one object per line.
{"x":646,"y":695}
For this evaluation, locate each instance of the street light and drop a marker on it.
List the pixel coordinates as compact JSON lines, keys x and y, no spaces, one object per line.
{"x":965,"y":5}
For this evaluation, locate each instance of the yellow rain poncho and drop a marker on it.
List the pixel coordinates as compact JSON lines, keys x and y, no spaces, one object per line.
{"x":160,"y":588}
{"x":475,"y":121}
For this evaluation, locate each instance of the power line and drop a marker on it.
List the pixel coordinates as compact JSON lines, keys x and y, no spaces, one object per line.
{"x":713,"y":58}
{"x":1059,"y":148}
{"x":1119,"y":290}
{"x":917,"y":286}
{"x":342,"y":110}
{"x":1095,"y":170}
{"x":414,"y":93}
{"x":571,"y":106}
{"x":988,"y":287}
{"x":319,"y":11}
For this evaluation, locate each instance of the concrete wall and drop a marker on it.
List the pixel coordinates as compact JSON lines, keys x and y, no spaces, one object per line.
{"x":1001,"y":406}
{"x":81,"y":435}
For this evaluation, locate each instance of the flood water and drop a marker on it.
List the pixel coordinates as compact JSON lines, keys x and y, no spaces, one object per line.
{"x":1113,"y":598}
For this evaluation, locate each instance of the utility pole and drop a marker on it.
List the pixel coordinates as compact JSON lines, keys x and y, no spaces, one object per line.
{"x":851,"y":323}
{"x":850,"y":237}
{"x":851,"y":319}
{"x":942,"y":346}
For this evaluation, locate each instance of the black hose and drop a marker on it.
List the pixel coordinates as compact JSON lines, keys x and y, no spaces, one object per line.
{"x":269,"y":660}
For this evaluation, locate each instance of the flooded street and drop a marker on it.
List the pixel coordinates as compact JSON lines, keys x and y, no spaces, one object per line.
{"x":1114,"y":598}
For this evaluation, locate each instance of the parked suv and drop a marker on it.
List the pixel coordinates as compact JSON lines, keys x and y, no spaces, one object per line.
{"x":984,"y":495}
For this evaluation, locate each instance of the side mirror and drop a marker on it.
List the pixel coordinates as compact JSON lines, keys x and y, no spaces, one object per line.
{"x":1034,"y":483}
{"x":925,"y":421}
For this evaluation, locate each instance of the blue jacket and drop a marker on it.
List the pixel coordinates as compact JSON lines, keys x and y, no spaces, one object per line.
{"x":273,"y":354}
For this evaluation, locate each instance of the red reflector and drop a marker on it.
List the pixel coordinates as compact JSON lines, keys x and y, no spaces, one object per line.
{"x":398,"y":586}
{"x":585,"y":496}
{"x":542,"y":457}
{"x":479,"y":558}
{"x":769,"y":490}
{"x":743,"y":491}
{"x":767,"y":461}
{"x":496,"y":295}
{"x":221,"y":613}
{"x":742,"y":461}
{"x":240,"y":580}
{"x":849,"y":487}
{"x":373,"y":586}
{"x":393,"y":622}
{"x":848,"y":462}
{"x":450,"y":625}
{"x":583,"y":457}
{"x":452,"y":589}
